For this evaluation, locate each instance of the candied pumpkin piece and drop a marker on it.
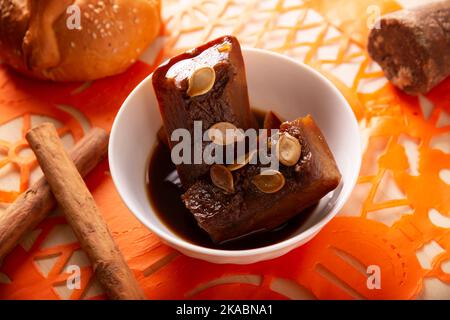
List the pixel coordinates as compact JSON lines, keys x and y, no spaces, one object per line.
{"x":205,"y":84}
{"x":262,"y":204}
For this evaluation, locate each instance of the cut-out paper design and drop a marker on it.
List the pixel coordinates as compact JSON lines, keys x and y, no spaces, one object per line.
{"x":393,"y":212}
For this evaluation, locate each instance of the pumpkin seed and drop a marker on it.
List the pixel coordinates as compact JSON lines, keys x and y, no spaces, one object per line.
{"x":222,"y":178}
{"x":243,"y":161}
{"x":288,"y":149}
{"x":201,"y":81}
{"x":224,"y":133}
{"x":269,"y":181}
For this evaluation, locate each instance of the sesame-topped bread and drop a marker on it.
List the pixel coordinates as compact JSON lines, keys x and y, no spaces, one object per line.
{"x":76,"y":40}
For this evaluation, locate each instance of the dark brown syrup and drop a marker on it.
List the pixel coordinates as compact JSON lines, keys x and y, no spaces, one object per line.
{"x":165,"y":197}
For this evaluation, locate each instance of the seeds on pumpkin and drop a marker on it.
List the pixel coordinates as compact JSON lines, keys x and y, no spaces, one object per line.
{"x":224,"y":133}
{"x":201,"y":81}
{"x":243,"y":161}
{"x":288,"y":149}
{"x":269,"y":181}
{"x":222,"y":178}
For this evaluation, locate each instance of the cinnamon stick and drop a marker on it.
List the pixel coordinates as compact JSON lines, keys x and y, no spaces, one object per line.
{"x":82,"y":214}
{"x":33,"y":206}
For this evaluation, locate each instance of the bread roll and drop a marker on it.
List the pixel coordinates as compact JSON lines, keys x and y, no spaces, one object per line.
{"x":37,"y":37}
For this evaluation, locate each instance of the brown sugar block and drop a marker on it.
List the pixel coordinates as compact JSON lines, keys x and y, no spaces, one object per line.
{"x":413,"y":46}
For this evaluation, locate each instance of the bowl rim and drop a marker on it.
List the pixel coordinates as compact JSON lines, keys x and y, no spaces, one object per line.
{"x":290,"y":242}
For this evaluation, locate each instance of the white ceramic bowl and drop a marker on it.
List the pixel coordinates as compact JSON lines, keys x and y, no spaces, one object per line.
{"x":275,"y":82}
